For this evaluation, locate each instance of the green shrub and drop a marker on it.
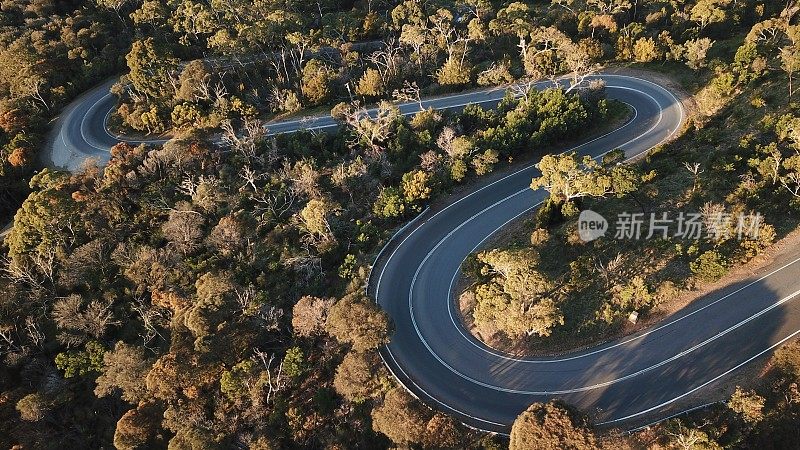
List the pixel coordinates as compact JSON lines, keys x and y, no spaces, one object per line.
{"x":82,"y":362}
{"x":458,"y":170}
{"x":709,"y":266}
{"x":294,"y":363}
{"x":348,"y":267}
{"x":484,"y":162}
{"x":787,"y":359}
{"x":389,"y":203}
{"x":233,"y":383}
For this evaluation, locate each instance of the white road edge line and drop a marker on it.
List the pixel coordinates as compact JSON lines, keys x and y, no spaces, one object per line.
{"x":566,"y":391}
{"x":672,"y":416}
{"x":695,"y":389}
{"x":446,"y":237}
{"x":678,"y":127}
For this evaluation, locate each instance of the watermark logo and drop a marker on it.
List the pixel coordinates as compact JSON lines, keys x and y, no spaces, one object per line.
{"x":715,"y":226}
{"x":591,"y":225}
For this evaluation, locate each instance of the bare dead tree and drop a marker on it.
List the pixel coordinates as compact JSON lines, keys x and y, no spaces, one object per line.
{"x":610,"y":6}
{"x":410,"y":92}
{"x":203,"y":91}
{"x":246,"y":140}
{"x":371,"y":128}
{"x":445,"y":139}
{"x":33,"y":86}
{"x":189,"y":185}
{"x":245,"y":298}
{"x":174,"y":80}
{"x":278,"y":62}
{"x":34,"y":332}
{"x":686,"y":438}
{"x":791,"y":182}
{"x":152,"y":318}
{"x":79,"y":321}
{"x":454,"y":41}
{"x":609,"y":269}
{"x":251,"y":177}
{"x":695,"y":170}
{"x":790,"y":9}
{"x":275,"y":381}
{"x":580,"y":66}
{"x":7,"y":344}
{"x":552,"y":43}
{"x":220,"y":93}
{"x":524,"y":88}
{"x":793,"y":394}
{"x":270,"y":316}
{"x":307,"y":264}
{"x":273,"y":204}
{"x":565,"y":4}
{"x":387,"y":59}
{"x":304,"y":178}
{"x":35,"y":272}
{"x":298,"y":53}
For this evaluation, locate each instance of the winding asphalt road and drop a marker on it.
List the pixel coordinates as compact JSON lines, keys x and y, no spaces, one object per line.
{"x":619,"y":383}
{"x":642,"y":377}
{"x":81,"y":134}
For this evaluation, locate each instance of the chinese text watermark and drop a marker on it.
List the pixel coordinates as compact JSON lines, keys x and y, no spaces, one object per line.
{"x":691,"y":226}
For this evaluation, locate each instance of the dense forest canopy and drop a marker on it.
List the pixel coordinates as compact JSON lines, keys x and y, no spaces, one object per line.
{"x":209,"y":293}
{"x":196,"y":64}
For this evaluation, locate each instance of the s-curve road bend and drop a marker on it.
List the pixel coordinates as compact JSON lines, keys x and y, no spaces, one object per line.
{"x":621,"y":383}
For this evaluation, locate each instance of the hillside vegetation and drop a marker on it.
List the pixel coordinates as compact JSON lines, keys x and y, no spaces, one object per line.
{"x":209,"y":294}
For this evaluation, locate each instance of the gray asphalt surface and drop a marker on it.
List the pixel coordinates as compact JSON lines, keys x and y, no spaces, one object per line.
{"x":433,"y":356}
{"x":619,"y":383}
{"x":80,"y":133}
